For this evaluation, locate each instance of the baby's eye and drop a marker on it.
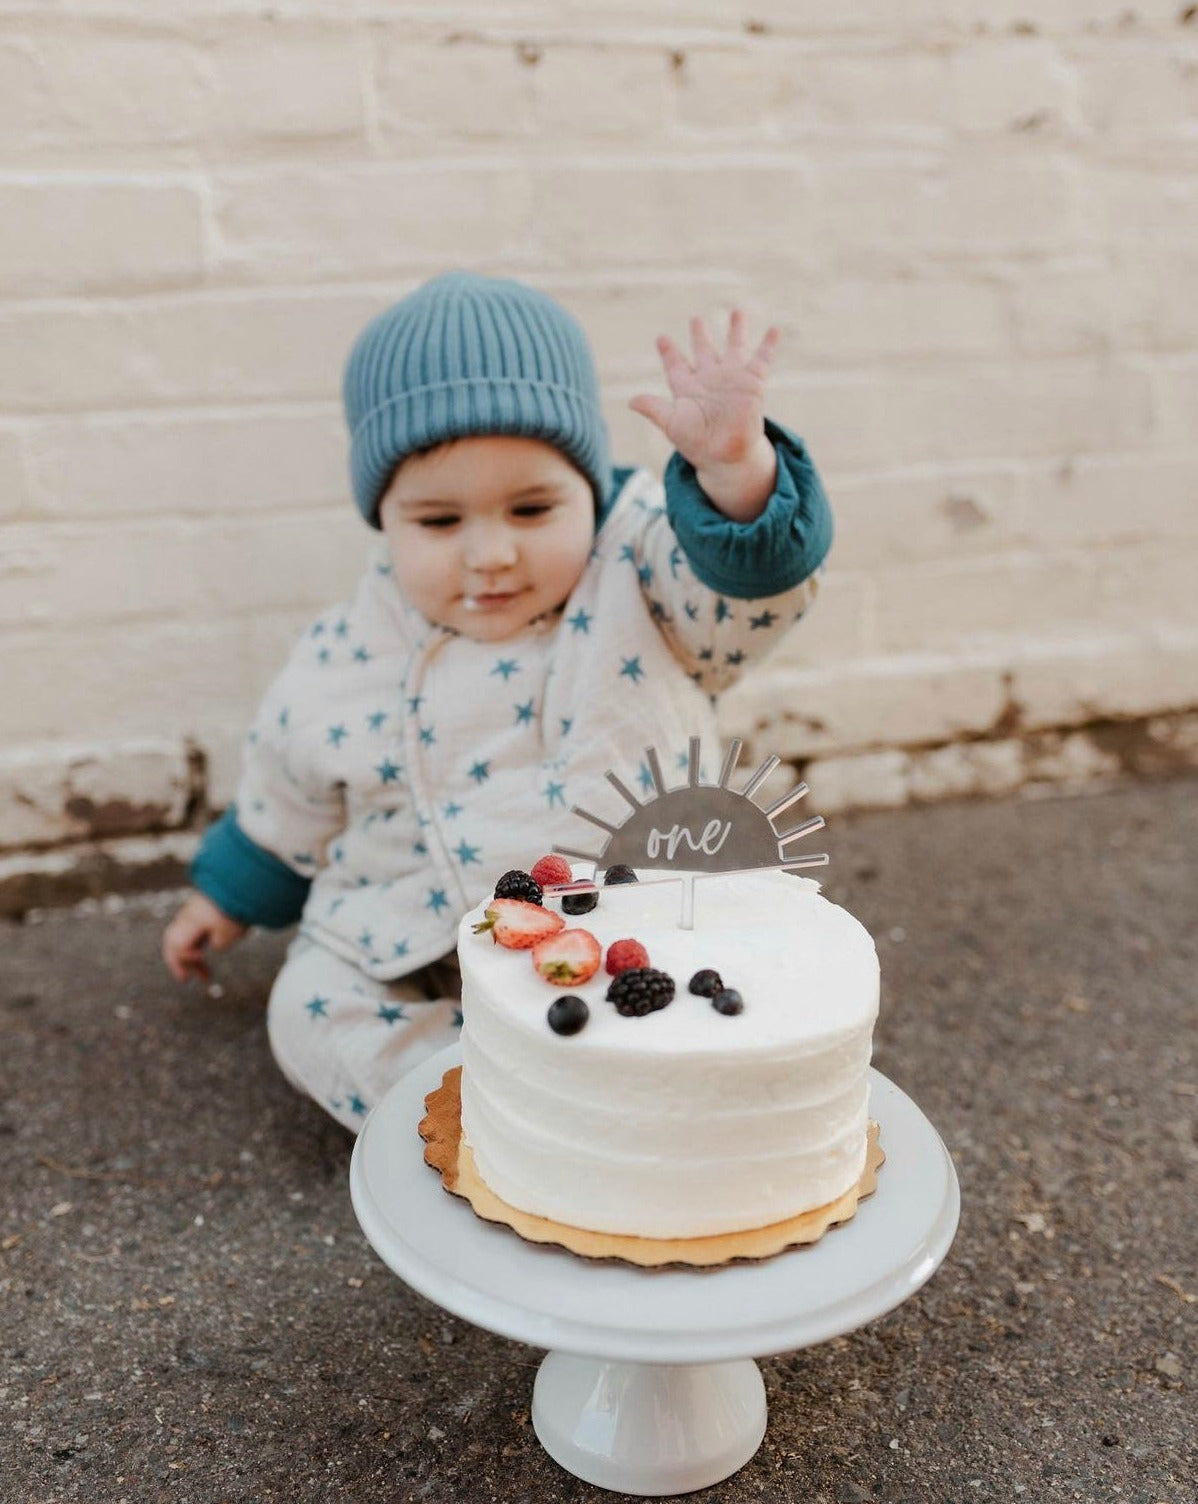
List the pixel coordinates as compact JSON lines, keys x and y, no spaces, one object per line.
{"x":532,"y":509}
{"x":439,"y":520}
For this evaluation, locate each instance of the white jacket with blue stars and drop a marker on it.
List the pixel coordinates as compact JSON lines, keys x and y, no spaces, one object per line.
{"x":402,"y":767}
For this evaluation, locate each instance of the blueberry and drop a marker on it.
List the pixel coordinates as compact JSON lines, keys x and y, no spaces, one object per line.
{"x":728,"y":1000}
{"x":567,"y":1014}
{"x":705,"y":983}
{"x":620,"y":872}
{"x":579,"y":903}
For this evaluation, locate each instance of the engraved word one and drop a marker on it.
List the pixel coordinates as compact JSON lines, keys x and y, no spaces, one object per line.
{"x":715,"y":833}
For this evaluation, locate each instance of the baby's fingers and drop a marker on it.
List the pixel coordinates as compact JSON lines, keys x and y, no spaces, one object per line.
{"x":705,"y":351}
{"x":674,"y":363}
{"x":193,"y":968}
{"x":656,"y":409}
{"x":764,"y":354}
{"x":185,"y":960}
{"x":736,"y":333}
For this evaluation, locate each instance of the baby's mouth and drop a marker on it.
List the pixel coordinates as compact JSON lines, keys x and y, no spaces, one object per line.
{"x":488,"y":600}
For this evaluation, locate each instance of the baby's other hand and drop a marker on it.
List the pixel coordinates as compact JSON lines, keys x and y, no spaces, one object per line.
{"x":198,"y":925}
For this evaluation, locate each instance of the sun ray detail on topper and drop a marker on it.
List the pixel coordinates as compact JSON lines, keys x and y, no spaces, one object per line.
{"x":701,"y":827}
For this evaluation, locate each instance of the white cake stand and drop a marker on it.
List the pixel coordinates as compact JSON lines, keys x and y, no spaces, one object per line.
{"x":649,"y":1386}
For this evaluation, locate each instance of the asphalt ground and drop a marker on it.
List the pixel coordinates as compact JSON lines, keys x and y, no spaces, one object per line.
{"x":188,"y":1311}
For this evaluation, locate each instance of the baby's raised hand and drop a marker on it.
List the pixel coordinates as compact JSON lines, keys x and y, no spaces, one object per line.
{"x":715,"y":414}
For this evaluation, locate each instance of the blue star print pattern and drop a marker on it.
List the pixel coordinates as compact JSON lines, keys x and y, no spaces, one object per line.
{"x":433,"y":736}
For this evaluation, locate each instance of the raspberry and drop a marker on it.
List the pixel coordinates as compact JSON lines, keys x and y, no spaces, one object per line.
{"x":517,"y":884}
{"x":639,"y":991}
{"x":705,"y":983}
{"x":567,"y":1014}
{"x":623,"y":955}
{"x":728,"y":1000}
{"x":552,"y":869}
{"x":620,"y":872}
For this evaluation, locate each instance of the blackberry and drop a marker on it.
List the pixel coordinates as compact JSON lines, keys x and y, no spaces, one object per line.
{"x":567,"y":1014}
{"x":579,"y":903}
{"x":619,"y":872}
{"x":640,"y":990}
{"x":728,"y":1000}
{"x":517,"y":884}
{"x":705,"y":983}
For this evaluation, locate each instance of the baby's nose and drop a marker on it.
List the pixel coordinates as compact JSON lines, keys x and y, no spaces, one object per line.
{"x":490,"y":546}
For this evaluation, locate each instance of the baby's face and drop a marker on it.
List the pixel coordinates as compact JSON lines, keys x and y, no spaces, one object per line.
{"x":488,"y":533}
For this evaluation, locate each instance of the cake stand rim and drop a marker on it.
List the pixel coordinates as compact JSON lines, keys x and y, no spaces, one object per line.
{"x":413,"y":1255}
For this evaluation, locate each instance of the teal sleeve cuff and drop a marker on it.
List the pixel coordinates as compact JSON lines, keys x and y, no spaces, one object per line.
{"x":771,"y":554}
{"x":246,"y":881}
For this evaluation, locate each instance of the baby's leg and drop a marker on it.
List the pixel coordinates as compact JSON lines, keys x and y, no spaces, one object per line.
{"x":343,"y":1038}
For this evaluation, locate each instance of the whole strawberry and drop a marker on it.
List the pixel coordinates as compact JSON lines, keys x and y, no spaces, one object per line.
{"x":568,"y":958}
{"x":623,"y":955}
{"x":552,"y":869}
{"x":517,"y":924}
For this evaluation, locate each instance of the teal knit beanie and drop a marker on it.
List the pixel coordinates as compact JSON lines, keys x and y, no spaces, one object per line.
{"x":467,"y":354}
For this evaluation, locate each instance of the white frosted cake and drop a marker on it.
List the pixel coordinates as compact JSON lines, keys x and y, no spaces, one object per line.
{"x":685,"y":1121}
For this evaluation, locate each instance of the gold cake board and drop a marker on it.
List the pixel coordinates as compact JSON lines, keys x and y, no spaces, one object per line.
{"x":444,"y":1150}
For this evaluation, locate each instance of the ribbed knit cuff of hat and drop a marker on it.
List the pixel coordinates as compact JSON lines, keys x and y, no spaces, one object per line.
{"x":426,"y":416}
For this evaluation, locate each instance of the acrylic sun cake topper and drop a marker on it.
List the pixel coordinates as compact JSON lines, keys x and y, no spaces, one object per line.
{"x":700,"y":829}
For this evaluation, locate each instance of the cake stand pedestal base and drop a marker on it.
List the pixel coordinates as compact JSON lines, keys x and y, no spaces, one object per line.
{"x":648,"y":1428}
{"x":649,"y":1385}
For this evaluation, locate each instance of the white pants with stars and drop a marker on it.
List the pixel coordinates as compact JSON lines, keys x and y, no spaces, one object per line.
{"x":343,"y":1038}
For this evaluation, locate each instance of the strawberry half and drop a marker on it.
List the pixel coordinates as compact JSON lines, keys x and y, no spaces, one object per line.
{"x":550,"y":870}
{"x":623,"y":955}
{"x":517,"y":924}
{"x":567,"y":959}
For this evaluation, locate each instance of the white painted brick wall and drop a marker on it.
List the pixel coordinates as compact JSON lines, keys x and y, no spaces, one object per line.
{"x":976,"y":226}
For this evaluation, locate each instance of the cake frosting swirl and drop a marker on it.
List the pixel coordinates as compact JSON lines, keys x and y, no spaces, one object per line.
{"x":685,"y":1122}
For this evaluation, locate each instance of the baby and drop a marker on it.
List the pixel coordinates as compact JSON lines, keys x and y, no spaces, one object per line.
{"x":529,"y":618}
